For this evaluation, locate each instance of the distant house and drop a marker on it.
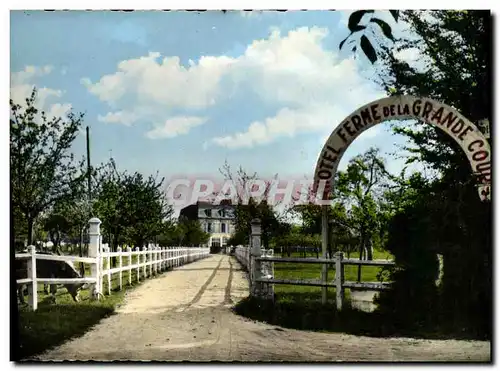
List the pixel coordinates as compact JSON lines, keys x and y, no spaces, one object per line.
{"x":218,"y":220}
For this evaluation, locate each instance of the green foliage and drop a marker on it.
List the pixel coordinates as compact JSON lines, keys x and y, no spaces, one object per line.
{"x":133,"y":208}
{"x":360,"y":189}
{"x":442,"y":215}
{"x":245,"y":212}
{"x":42,"y":169}
{"x":184,"y":233}
{"x":365,"y":43}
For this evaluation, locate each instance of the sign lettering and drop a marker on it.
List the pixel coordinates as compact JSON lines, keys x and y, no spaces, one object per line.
{"x":466,"y":134}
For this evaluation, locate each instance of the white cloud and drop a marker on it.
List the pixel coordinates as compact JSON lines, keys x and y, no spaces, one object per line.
{"x":296,"y":70}
{"x":175,"y":126}
{"x":58,"y":110}
{"x":287,"y":122}
{"x":166,"y":83}
{"x":311,"y":84}
{"x":29,"y":72}
{"x":120,"y":117}
{"x":22,"y":84}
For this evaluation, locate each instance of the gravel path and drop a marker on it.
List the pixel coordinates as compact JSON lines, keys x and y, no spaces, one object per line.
{"x":184,"y":315}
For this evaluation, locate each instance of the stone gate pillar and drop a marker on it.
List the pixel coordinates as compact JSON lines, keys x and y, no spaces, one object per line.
{"x":255,"y":252}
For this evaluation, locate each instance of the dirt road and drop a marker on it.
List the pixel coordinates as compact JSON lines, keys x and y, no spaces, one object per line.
{"x":184,"y":315}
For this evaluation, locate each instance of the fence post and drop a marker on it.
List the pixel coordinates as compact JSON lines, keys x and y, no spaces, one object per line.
{"x":158,"y":259}
{"x":108,"y":251}
{"x":138,"y":262}
{"x":129,"y":253}
{"x":95,"y":252}
{"x":339,"y":278}
{"x":120,"y":264}
{"x":255,"y":252}
{"x":155,"y":254}
{"x":324,"y":247}
{"x":152,"y":254}
{"x":144,"y":254}
{"x":33,"y":287}
{"x":150,"y":250}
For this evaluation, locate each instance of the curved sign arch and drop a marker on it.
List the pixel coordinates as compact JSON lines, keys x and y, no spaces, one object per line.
{"x":402,"y":107}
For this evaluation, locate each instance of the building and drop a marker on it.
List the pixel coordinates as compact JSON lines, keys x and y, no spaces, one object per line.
{"x":218,"y":220}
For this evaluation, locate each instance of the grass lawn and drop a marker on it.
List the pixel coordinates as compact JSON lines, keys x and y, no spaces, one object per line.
{"x":307,"y":271}
{"x":300,"y":307}
{"x":51,"y":325}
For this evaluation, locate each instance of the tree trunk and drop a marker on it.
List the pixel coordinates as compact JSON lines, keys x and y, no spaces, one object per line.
{"x":369,"y":250}
{"x":80,"y":253}
{"x":361,"y":248}
{"x":114,"y":248}
{"x":31,"y":221}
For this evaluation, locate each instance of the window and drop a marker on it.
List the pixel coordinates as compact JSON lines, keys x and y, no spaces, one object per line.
{"x":208,"y":212}
{"x":222,"y":213}
{"x":223,"y":227}
{"x":209,"y":227}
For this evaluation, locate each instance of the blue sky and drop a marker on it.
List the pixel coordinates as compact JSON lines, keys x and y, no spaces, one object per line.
{"x":181,"y":92}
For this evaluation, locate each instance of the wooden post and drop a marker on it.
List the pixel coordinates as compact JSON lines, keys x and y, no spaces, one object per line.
{"x":154,"y":259}
{"x":144,"y":254}
{"x":157,"y":264}
{"x":324,"y":247}
{"x":120,"y":265}
{"x":94,"y":251}
{"x":33,"y":287}
{"x":161,"y":259}
{"x":129,"y":253}
{"x":339,"y":279}
{"x":158,"y":259}
{"x":138,"y":262}
{"x":108,"y":251}
{"x":150,"y":249}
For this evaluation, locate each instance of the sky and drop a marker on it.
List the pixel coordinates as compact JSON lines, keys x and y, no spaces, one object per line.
{"x":182,"y":92}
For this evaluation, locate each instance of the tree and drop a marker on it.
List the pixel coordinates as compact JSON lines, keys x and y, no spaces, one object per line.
{"x":42,"y":169}
{"x":359,"y":188}
{"x":454,"y":52}
{"x":183,"y":233}
{"x":248,"y":208}
{"x":133,"y":208}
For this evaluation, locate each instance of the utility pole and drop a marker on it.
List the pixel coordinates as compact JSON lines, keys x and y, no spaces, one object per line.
{"x":88,"y":171}
{"x":82,"y":268}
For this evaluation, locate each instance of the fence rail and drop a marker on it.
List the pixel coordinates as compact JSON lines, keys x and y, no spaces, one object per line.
{"x":242,"y":254}
{"x":148,"y":262}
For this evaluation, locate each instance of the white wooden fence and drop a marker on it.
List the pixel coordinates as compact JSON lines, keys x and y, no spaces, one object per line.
{"x":260,"y":265}
{"x":146,"y":263}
